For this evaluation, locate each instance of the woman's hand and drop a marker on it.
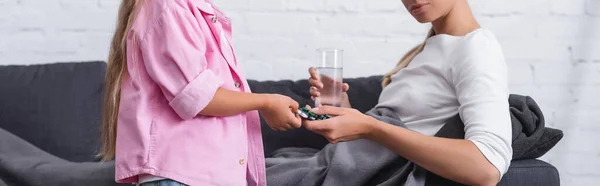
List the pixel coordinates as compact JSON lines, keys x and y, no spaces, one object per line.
{"x":346,"y":125}
{"x":280,"y":112}
{"x":316,"y":87}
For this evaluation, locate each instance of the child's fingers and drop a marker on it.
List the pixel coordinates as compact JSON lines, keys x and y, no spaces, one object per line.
{"x":295,"y":121}
{"x":294,"y":105}
{"x":345,"y":87}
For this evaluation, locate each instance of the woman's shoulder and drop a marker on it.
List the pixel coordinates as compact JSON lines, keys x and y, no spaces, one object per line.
{"x":480,"y":41}
{"x":480,"y":47}
{"x":478,"y":52}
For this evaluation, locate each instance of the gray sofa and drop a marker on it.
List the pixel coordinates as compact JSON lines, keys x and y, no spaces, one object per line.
{"x":56,"y":107}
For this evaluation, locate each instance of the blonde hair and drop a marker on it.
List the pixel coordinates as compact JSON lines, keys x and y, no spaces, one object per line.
{"x":405,"y":60}
{"x":115,"y":72}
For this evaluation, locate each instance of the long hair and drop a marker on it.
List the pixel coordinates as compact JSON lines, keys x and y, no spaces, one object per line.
{"x":115,"y":72}
{"x":406,"y":59}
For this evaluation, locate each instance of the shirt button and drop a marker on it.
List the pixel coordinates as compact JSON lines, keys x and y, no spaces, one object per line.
{"x":242,"y":161}
{"x":214,"y":19}
{"x":237,"y":84}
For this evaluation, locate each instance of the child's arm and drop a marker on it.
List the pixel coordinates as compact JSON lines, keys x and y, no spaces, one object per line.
{"x":227,"y":102}
{"x":277,"y":110}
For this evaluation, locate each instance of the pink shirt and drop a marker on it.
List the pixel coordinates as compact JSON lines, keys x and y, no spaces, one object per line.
{"x":175,"y":63}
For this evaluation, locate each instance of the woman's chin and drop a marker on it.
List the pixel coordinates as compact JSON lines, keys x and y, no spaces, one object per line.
{"x":424,"y":18}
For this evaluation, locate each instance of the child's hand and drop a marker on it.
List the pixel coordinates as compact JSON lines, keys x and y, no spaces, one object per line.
{"x":280,"y":112}
{"x":316,"y":85}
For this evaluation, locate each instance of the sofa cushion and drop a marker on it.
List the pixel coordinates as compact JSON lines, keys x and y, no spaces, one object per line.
{"x":56,"y":107}
{"x":521,"y":172}
{"x":24,"y":164}
{"x":530,"y":172}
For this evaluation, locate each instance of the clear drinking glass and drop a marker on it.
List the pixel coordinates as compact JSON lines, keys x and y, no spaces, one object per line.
{"x":329,"y":68}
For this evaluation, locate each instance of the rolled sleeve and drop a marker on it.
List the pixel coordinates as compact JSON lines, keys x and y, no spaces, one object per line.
{"x":196,"y":95}
{"x":173,"y":53}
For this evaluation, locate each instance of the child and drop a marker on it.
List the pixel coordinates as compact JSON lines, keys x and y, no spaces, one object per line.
{"x":177,"y":109}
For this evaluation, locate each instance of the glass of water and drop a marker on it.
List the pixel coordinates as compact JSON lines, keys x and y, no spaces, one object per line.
{"x":329,"y":68}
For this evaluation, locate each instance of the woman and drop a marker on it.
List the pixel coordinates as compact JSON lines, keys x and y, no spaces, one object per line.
{"x":459,"y":69}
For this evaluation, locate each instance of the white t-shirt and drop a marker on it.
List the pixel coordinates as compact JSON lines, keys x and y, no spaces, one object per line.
{"x":464,"y":75}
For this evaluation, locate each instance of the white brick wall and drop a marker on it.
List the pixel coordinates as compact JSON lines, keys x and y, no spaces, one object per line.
{"x":552,"y":48}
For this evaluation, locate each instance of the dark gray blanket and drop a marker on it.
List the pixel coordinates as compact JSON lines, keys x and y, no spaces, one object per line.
{"x":364,"y":162}
{"x":22,"y":164}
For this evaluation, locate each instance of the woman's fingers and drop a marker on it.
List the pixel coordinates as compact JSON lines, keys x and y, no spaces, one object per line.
{"x":319,"y":127}
{"x":315,"y":82}
{"x":314,"y":92}
{"x":313,"y":72}
{"x":345,"y":87}
{"x":335,"y":111}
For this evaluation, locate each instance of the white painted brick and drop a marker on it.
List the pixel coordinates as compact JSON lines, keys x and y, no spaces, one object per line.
{"x":509,"y":27}
{"x":79,"y":4}
{"x":385,"y":51}
{"x":497,"y":8}
{"x":290,"y":68}
{"x":40,"y":5}
{"x":553,"y":27}
{"x":583,"y":164}
{"x":267,"y":48}
{"x":341,"y":25}
{"x":571,"y":7}
{"x":370,"y":26}
{"x":566,"y":73}
{"x":593,"y":7}
{"x":536,"y":49}
{"x":587,"y":50}
{"x":27,"y":41}
{"x":386,"y":6}
{"x":359,"y":69}
{"x":258,"y":69}
{"x":93,"y":19}
{"x":94,"y":45}
{"x":546,"y":96}
{"x":575,"y":181}
{"x":30,"y":16}
{"x":347,"y":6}
{"x":6,"y":15}
{"x":287,"y":25}
{"x":305,"y":5}
{"x":521,"y":73}
{"x":109,"y":4}
{"x":580,"y":134}
{"x":263,"y":5}
{"x":588,"y":97}
{"x":8,"y":2}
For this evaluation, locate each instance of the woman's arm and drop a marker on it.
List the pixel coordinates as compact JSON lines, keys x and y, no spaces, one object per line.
{"x":455,"y":159}
{"x":458,"y":160}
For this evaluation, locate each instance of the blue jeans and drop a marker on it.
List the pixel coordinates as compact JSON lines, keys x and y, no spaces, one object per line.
{"x":165,"y":182}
